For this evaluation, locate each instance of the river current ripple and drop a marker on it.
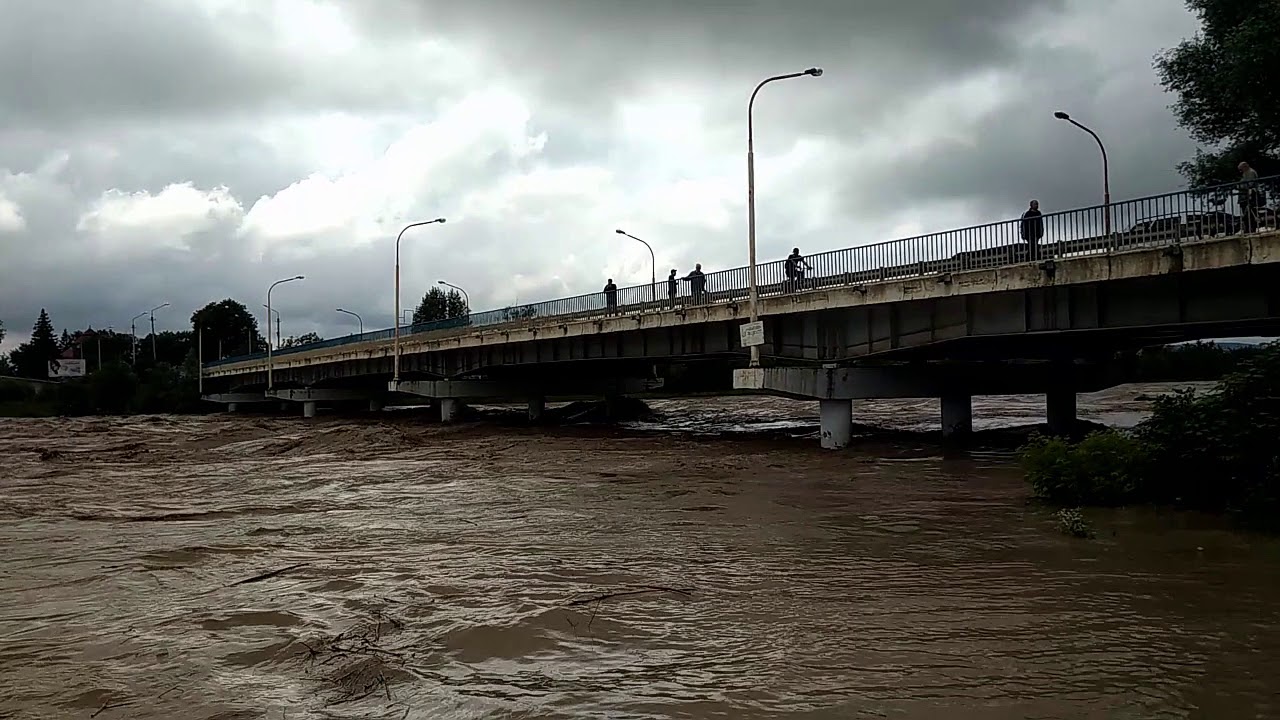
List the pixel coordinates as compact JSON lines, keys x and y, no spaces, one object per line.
{"x":252,"y":567}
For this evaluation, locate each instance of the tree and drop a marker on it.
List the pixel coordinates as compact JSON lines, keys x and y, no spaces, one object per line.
{"x":229,"y":330}
{"x":1,"y":331}
{"x":31,"y":359}
{"x":303,"y":339}
{"x":439,"y":305}
{"x":1226,"y":81}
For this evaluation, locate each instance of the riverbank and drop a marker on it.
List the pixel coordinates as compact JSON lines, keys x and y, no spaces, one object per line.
{"x":241,"y":566}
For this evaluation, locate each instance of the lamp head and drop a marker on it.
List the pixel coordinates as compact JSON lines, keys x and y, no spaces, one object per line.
{"x":438,"y":220}
{"x":621,"y":232}
{"x":1061,"y":115}
{"x":301,"y":277}
{"x":814,"y":71}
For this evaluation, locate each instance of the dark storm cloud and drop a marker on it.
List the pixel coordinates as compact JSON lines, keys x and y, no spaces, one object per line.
{"x":100,"y":62}
{"x":141,"y":94}
{"x":595,"y":52}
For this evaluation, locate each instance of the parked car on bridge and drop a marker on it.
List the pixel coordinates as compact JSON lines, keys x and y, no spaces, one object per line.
{"x":1192,"y":225}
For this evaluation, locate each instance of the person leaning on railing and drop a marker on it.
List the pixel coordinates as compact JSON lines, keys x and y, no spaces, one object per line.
{"x":697,"y":283}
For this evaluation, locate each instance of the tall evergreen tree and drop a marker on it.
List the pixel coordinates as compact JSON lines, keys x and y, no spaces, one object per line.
{"x":31,"y":359}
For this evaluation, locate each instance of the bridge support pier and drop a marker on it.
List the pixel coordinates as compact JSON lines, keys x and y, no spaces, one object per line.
{"x":957,"y":416}
{"x":1060,"y":407}
{"x":233,"y":407}
{"x":376,"y":404}
{"x":309,"y":409}
{"x":537,"y":407}
{"x":836,"y":417}
{"x":449,"y":408}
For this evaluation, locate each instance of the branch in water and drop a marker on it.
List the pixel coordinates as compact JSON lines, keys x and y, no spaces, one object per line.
{"x":687,"y":592}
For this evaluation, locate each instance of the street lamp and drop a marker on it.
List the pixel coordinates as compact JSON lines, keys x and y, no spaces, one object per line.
{"x":152,"y":312}
{"x":357,"y":317}
{"x":465,"y":297}
{"x":277,"y":312}
{"x":395,"y":375}
{"x":751,"y":197}
{"x":270,"y":359}
{"x":1106,"y":170}
{"x":653,"y":265}
{"x":133,"y":333}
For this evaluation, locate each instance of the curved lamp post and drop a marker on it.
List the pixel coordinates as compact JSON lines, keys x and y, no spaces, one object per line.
{"x":356,"y":316}
{"x":465,"y":297}
{"x":270,"y":354}
{"x":1106,"y":170}
{"x":277,"y":314}
{"x":152,"y":313}
{"x":395,"y":375}
{"x":751,"y":197}
{"x":133,"y":333}
{"x":653,"y":266}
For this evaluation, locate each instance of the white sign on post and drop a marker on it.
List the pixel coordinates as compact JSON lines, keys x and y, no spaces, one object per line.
{"x":66,"y":368}
{"x":751,"y":333}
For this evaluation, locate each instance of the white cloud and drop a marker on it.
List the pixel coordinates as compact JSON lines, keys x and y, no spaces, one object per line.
{"x":11,"y":220}
{"x":127,"y":222}
{"x":373,"y":195}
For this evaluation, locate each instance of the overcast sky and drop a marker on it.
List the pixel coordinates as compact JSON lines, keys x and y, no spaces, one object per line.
{"x":185,"y":151}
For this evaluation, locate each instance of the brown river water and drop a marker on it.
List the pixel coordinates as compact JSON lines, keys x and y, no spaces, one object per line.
{"x":716,"y":564}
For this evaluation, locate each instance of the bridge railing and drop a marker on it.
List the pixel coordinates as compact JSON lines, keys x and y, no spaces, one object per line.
{"x":1143,"y":222}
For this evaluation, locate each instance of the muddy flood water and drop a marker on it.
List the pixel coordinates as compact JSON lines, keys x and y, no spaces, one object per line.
{"x":713,"y":564}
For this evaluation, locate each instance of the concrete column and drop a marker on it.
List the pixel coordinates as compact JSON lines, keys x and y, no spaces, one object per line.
{"x":233,"y":407}
{"x":1060,"y":406}
{"x":957,"y":416}
{"x":375,"y":405}
{"x":309,"y":409}
{"x":836,"y":423}
{"x":449,"y":408}
{"x":537,"y":406}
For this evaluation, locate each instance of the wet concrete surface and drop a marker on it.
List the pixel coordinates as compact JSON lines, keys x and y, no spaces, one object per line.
{"x":702,"y":565}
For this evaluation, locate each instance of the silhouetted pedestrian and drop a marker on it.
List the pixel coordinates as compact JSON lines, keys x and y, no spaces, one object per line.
{"x":611,"y":297}
{"x":1250,"y":198}
{"x":673,"y":287}
{"x":1032,"y":229}
{"x":795,"y":266}
{"x":697,"y":283}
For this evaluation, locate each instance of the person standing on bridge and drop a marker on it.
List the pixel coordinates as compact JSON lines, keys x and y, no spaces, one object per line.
{"x":1249,"y":197}
{"x":1032,"y":229}
{"x":611,"y":297}
{"x":673,"y":287}
{"x":697,"y":283}
{"x":795,"y":266}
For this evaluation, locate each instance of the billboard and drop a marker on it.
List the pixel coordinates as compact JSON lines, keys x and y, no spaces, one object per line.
{"x":66,"y":368}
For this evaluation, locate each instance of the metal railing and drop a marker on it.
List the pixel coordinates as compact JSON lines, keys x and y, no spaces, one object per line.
{"x":1144,"y":222}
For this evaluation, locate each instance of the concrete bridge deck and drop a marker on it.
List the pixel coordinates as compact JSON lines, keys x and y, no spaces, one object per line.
{"x":970,"y":300}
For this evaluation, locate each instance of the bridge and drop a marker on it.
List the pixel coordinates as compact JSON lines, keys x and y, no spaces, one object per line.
{"x":973,"y":311}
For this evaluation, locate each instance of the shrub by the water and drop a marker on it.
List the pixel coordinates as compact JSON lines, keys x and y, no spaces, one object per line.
{"x":1104,"y":469}
{"x":1217,"y":451}
{"x":1071,"y":521}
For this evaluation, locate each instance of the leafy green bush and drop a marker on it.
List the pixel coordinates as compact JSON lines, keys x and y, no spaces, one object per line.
{"x":1217,"y":451}
{"x":1104,"y":469}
